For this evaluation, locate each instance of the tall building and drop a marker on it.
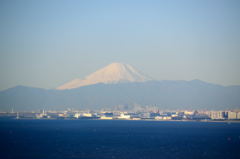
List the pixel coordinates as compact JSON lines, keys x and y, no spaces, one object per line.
{"x":232,"y":115}
{"x":238,"y":115}
{"x":217,"y":115}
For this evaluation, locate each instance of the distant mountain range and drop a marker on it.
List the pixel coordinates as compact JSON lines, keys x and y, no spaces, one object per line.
{"x":122,"y":85}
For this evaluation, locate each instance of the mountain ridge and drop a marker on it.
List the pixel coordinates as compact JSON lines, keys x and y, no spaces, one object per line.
{"x":121,"y":84}
{"x":165,"y":94}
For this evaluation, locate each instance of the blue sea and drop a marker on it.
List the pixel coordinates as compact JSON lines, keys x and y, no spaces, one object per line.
{"x":116,"y":139}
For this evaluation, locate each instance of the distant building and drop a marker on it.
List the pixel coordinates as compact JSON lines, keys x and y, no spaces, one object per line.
{"x":167,"y":118}
{"x":87,"y":115}
{"x":216,"y":115}
{"x":158,"y":118}
{"x":238,"y":115}
{"x":77,"y":115}
{"x":106,"y":118}
{"x":163,"y":118}
{"x":108,"y":114}
{"x":153,"y":115}
{"x":62,"y":115}
{"x":188,"y":112}
{"x":145,"y":115}
{"x":123,"y":116}
{"x":232,"y":115}
{"x":136,"y":118}
{"x":39,"y":116}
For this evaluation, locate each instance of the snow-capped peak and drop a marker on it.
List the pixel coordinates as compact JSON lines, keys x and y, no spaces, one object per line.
{"x":112,"y":73}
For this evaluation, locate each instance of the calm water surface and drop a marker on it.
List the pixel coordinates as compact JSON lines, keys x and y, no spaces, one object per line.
{"x":97,"y":139}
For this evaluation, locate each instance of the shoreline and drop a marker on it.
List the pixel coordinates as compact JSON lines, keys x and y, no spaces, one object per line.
{"x":216,"y":121}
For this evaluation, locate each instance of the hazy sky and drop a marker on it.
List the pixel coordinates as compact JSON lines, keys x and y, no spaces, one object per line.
{"x":46,"y":43}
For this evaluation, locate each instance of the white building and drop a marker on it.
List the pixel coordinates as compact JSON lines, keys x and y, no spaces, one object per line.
{"x":163,"y":118}
{"x":106,"y":118}
{"x":217,"y":115}
{"x":238,"y":115}
{"x":77,"y":115}
{"x":188,"y":112}
{"x":158,"y":118}
{"x":232,"y":115}
{"x":87,"y":115}
{"x":123,"y":116}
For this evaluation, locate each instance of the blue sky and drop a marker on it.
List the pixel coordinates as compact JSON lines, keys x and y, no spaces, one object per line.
{"x":46,"y":43}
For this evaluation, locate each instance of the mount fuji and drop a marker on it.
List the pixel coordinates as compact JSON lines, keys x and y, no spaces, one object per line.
{"x":112,"y":73}
{"x":122,"y":85}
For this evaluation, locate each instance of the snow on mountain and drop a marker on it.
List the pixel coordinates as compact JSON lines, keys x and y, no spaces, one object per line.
{"x":112,"y":73}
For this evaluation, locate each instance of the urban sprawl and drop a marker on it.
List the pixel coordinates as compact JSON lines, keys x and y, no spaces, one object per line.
{"x":126,"y":115}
